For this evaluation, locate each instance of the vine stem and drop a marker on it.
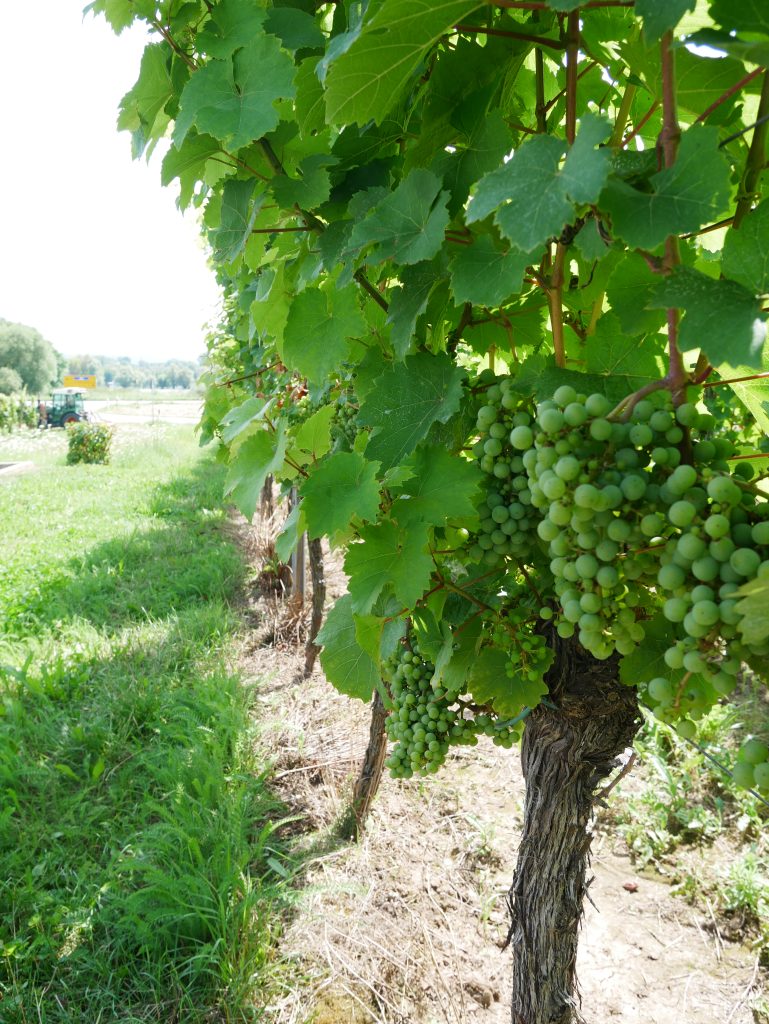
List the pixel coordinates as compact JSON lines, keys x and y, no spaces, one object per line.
{"x":756,"y":156}
{"x":729,"y":92}
{"x":552,"y":44}
{"x":555,"y":287}
{"x":641,"y":124}
{"x":734,"y":380}
{"x":623,"y":115}
{"x":669,"y":139}
{"x":531,"y":5}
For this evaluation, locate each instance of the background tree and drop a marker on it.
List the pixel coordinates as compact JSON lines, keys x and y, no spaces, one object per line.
{"x":480,"y":262}
{"x":26,"y":351}
{"x":10,"y":381}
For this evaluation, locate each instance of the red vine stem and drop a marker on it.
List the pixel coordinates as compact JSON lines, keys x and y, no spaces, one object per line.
{"x":530,"y":5}
{"x":553,"y":44}
{"x":729,"y":92}
{"x":641,"y":124}
{"x":735,"y":380}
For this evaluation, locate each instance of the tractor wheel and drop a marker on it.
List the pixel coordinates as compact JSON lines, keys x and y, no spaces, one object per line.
{"x":69,"y":417}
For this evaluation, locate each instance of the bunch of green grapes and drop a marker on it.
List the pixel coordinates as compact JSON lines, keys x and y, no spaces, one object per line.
{"x":428,"y":718}
{"x":344,"y":429}
{"x":514,"y":631}
{"x":507,"y":522}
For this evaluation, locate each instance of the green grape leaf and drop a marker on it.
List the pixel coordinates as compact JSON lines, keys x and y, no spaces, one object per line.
{"x":119,"y":13}
{"x":648,"y":659}
{"x":746,"y":251}
{"x":188,"y":163}
{"x":238,"y":420}
{"x":563,"y":6}
{"x":407,"y":304}
{"x":237,"y":219}
{"x":722,"y":317}
{"x":290,"y":532}
{"x":387,"y":556}
{"x":366,"y":80}
{"x":407,"y":399}
{"x":233,"y":100}
{"x":489,"y":141}
{"x":314,"y":435}
{"x":490,"y":684}
{"x":533,"y":196}
{"x":318,"y":330}
{"x":684,"y":198}
{"x":752,"y":393}
{"x":296,"y":29}
{"x":454,"y":672}
{"x":307,"y":191}
{"x":745,"y":16}
{"x":341,"y":488}
{"x":233,"y":23}
{"x":485,"y":275}
{"x":636,"y":360}
{"x":660,"y":16}
{"x":754,"y":609}
{"x":251,"y":464}
{"x":629,"y":291}
{"x":140,"y":109}
{"x":752,"y":51}
{"x":310,"y":103}
{"x":441,"y":486}
{"x":346,"y":665}
{"x":408,"y":224}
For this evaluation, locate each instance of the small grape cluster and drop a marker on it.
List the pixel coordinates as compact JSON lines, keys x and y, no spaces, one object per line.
{"x":428,"y":718}
{"x":506,"y":513}
{"x":514,"y":631}
{"x":344,"y":429}
{"x":752,"y":766}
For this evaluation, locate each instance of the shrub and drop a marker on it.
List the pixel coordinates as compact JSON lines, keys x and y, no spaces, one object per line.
{"x":88,"y":442}
{"x":16,"y":411}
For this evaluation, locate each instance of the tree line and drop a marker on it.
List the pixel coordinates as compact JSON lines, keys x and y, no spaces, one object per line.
{"x":29,"y":362}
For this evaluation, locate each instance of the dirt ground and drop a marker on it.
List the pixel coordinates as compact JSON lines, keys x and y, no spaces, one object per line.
{"x":407,"y":926}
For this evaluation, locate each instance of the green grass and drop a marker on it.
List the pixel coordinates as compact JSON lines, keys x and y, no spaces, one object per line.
{"x":140,"y":878}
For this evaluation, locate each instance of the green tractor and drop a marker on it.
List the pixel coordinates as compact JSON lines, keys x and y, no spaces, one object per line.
{"x":66,"y":405}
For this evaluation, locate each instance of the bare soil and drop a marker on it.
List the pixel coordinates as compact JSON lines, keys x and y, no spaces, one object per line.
{"x":408,"y":926}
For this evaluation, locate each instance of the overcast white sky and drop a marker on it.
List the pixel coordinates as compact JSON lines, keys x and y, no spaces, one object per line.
{"x":93,"y":252}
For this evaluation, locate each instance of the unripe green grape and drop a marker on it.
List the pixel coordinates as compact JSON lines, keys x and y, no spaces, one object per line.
{"x":660,"y":689}
{"x":597,"y":405}
{"x":551,"y":420}
{"x":743,"y":775}
{"x":575,"y":414}
{"x":745,"y":561}
{"x":753,"y":751}
{"x":565,"y":395}
{"x":675,"y":609}
{"x":600,"y":430}
{"x":724,"y":491}
{"x":681,"y":513}
{"x":521,"y":437}
{"x":687,"y":415}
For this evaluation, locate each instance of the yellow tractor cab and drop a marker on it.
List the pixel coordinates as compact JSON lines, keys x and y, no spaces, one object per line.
{"x":66,"y":405}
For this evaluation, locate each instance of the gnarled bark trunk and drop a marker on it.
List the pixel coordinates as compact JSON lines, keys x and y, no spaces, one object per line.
{"x":318,"y":576}
{"x":367,"y":783}
{"x":567,"y":750}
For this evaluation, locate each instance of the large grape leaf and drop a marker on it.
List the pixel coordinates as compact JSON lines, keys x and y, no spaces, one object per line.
{"x":342,"y":487}
{"x":745,"y":16}
{"x":442,"y":486}
{"x":140,"y":109}
{"x":233,"y":99}
{"x":251,"y":464}
{"x":486,"y":275}
{"x":629,"y":291}
{"x":490,"y":684}
{"x":408,"y":302}
{"x":187,"y":163}
{"x":233,"y":23}
{"x":386,"y":556}
{"x":247,"y":415}
{"x":408,"y":224}
{"x":318,"y":330}
{"x":648,"y":659}
{"x":406,"y":400}
{"x":754,"y":609}
{"x":746,"y":251}
{"x":632,"y":360}
{"x":310,"y":189}
{"x":722,"y":317}
{"x":660,"y":16}
{"x":347,"y":666}
{"x":367,"y":79}
{"x":314,"y":435}
{"x":237,"y":219}
{"x":684,"y":198}
{"x":533,"y":195}
{"x":753,"y":393}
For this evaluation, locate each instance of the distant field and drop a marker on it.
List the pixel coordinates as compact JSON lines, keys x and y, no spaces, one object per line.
{"x":144,"y":394}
